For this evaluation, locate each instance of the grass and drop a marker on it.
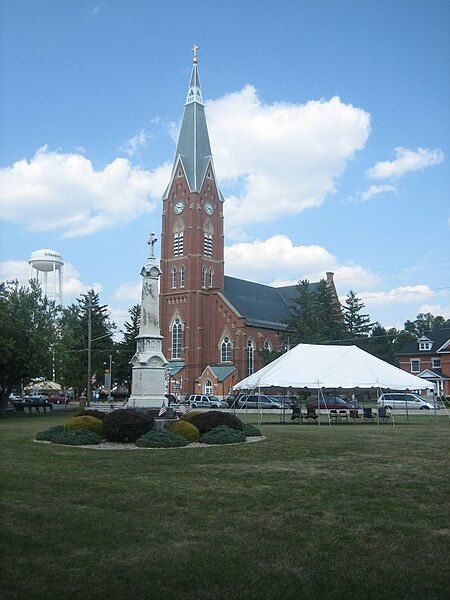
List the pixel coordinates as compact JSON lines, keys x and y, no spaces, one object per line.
{"x":312,"y":512}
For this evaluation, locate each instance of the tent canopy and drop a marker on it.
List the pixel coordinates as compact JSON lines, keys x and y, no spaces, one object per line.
{"x":314,"y":366}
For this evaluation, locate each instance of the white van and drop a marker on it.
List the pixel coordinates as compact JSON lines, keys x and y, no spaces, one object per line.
{"x":405,"y":401}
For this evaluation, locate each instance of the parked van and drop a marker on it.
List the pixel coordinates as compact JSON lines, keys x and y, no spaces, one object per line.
{"x":403,"y":401}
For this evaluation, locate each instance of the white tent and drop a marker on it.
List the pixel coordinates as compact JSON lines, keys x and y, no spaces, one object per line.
{"x":313,"y":366}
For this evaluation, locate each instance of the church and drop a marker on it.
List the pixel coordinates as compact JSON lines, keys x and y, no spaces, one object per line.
{"x":214,"y":326}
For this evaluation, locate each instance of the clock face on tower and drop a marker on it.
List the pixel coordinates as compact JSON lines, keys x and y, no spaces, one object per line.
{"x":209,"y":208}
{"x":178,"y":208}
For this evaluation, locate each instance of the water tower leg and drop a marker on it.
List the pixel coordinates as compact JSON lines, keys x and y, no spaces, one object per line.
{"x":45,"y":283}
{"x":60,"y":285}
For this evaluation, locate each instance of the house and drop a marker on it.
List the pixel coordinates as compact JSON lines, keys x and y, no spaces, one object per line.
{"x":429,"y":358}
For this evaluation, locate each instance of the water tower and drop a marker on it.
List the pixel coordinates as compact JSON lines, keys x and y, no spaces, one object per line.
{"x":47,"y":262}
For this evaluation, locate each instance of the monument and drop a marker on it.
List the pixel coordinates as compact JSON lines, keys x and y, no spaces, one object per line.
{"x":149,"y":363}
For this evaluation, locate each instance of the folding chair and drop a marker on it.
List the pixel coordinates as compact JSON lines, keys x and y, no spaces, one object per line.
{"x":368,"y":415}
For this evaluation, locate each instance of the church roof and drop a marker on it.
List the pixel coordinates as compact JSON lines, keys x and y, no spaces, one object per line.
{"x":193,"y":147}
{"x":261,"y":305}
{"x":222,"y":372}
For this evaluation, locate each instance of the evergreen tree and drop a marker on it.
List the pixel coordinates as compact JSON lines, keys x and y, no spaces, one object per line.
{"x":126,"y":348}
{"x":302,"y":319}
{"x":73,"y":341}
{"x":358,"y":325}
{"x":330,"y":324}
{"x":27,"y":335}
{"x":315,"y":315}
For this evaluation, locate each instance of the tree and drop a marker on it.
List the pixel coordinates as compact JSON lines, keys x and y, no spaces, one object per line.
{"x":330,"y":324}
{"x":126,"y":348}
{"x":424,"y":323}
{"x":358,"y":325}
{"x":73,"y":340}
{"x":27,"y":333}
{"x":315,"y":314}
{"x":302,"y":320}
{"x":382,"y":343}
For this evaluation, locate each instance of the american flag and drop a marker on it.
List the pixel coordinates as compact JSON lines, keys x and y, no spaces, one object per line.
{"x":181,"y":409}
{"x":162,"y":410}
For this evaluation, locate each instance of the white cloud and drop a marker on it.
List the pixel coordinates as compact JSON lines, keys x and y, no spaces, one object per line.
{"x":376,"y":189}
{"x":282,"y":263}
{"x":436,"y":310}
{"x":279,"y":159}
{"x":406,"y":161}
{"x":135,"y":143}
{"x":64,"y":192}
{"x":72,"y":285}
{"x":129,"y":291}
{"x":399,"y":295}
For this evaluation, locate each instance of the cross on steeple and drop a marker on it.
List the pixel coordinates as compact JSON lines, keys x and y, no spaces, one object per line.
{"x":194,"y":50}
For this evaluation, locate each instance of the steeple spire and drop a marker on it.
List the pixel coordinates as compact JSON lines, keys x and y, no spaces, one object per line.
{"x":193,"y":147}
{"x":194,"y":91}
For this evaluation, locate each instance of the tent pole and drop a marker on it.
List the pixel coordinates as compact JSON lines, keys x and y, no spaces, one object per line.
{"x":259,"y":405}
{"x":318,"y":402}
{"x":378,"y":414}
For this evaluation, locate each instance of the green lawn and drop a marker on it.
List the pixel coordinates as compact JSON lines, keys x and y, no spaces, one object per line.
{"x":312,"y":512}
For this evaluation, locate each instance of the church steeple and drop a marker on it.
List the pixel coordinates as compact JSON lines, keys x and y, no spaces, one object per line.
{"x":193,"y":151}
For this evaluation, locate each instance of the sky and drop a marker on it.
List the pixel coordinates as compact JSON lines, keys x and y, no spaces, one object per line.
{"x":329,"y":126}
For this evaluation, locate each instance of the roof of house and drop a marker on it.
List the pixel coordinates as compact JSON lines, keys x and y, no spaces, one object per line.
{"x":439,"y":336}
{"x":261,"y":305}
{"x":221,"y":372}
{"x":433,"y":373}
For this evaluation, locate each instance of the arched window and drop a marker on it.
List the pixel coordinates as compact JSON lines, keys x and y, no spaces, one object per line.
{"x":250,"y":357}
{"x":174,"y":277}
{"x":225,"y":350}
{"x":208,"y":387}
{"x":207,"y":244}
{"x":268,"y":346}
{"x":178,"y":243}
{"x":176,"y":338}
{"x":211,"y":277}
{"x":204,"y":273}
{"x":182,"y":272}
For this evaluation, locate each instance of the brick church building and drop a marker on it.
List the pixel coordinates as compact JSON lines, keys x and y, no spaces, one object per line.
{"x":214,"y":326}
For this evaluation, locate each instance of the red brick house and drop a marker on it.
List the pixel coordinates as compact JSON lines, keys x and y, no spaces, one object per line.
{"x":429,"y":358}
{"x":214,"y":326}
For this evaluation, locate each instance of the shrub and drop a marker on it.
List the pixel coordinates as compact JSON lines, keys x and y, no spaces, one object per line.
{"x":85,"y":422}
{"x":205,"y":421}
{"x":251,"y":430}
{"x":126,"y":425}
{"x":186,"y":429}
{"x":47,"y":434}
{"x":98,"y":414}
{"x":77,"y":437}
{"x":161,"y":439}
{"x":191,"y":413}
{"x":222,"y":435}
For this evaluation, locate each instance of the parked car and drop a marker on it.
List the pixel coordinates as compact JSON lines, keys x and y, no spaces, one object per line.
{"x":403,"y":401}
{"x":255,"y":401}
{"x":288,"y":401}
{"x":332,"y":402}
{"x":57,"y":399}
{"x":206,"y":401}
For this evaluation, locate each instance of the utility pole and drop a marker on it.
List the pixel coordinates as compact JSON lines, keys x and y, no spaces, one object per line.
{"x":110,"y":378}
{"x":89,"y":349}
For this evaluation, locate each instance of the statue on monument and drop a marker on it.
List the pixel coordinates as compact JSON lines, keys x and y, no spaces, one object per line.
{"x":149,"y":364}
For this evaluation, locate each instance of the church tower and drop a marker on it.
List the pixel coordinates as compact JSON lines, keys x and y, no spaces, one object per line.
{"x":192,"y":245}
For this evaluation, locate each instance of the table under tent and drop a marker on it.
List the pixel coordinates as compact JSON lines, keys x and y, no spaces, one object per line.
{"x":319,"y":368}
